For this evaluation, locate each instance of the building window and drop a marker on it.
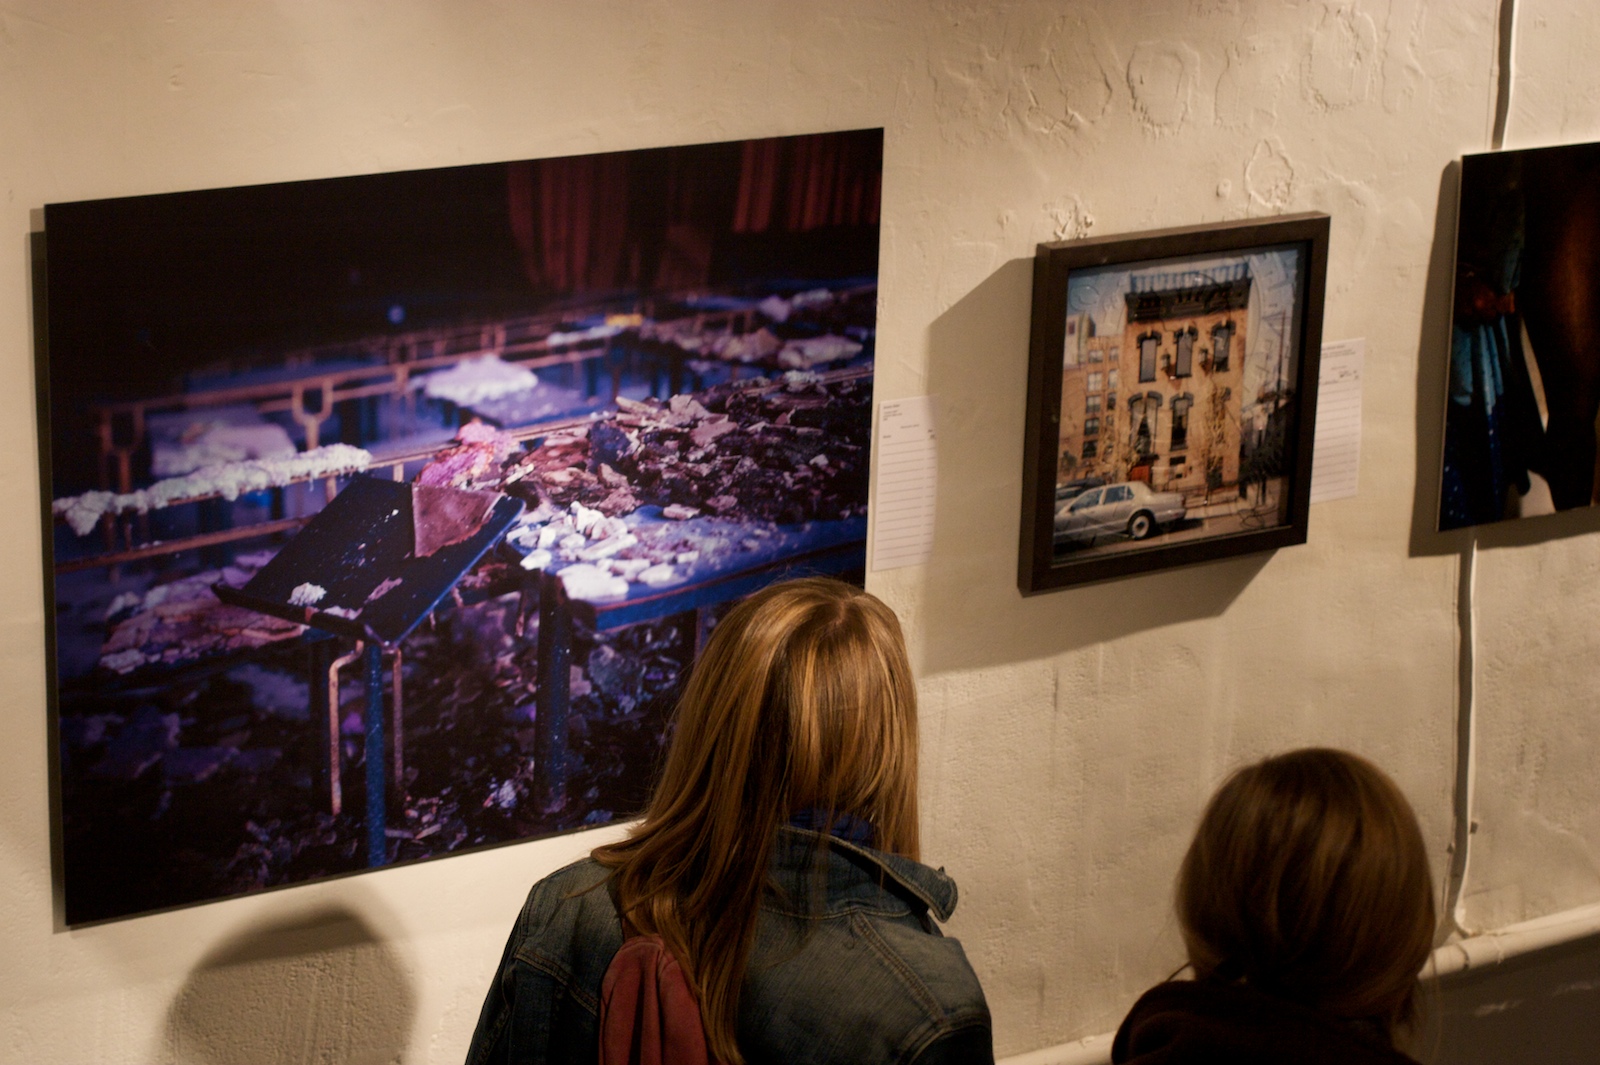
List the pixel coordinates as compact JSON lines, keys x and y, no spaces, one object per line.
{"x":1184,"y":339}
{"x":1111,"y":401}
{"x":1147,"y":357}
{"x":1221,"y":342}
{"x":1091,"y":427}
{"x":1111,"y":379}
{"x":1096,"y":380}
{"x":1180,"y":419}
{"x":1091,"y":448}
{"x":1091,"y":404}
{"x":1142,"y":415}
{"x":1095,"y":355}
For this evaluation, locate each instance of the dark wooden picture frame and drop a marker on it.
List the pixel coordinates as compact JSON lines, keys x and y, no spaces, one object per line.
{"x":1172,"y":387}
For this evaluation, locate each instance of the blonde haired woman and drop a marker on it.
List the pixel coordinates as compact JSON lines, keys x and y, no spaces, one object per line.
{"x":777,"y":862}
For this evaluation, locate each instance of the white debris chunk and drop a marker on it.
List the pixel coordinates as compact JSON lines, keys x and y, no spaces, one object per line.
{"x":307,"y":594}
{"x":687,"y":558}
{"x":213,"y":444}
{"x":629,"y":568}
{"x":505,"y":796}
{"x":576,"y":336}
{"x":230,"y":481}
{"x":816,"y":297}
{"x":83,"y":512}
{"x":660,"y":574}
{"x":607,"y":548}
{"x":678,"y":512}
{"x":524,"y":536}
{"x":125,"y":601}
{"x":584,"y":519}
{"x":591,"y":583}
{"x":537,"y":559}
{"x":342,"y":612}
{"x":477,"y":380}
{"x":124,"y":661}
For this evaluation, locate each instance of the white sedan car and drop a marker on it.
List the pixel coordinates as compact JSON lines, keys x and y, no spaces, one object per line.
{"x":1133,"y":508}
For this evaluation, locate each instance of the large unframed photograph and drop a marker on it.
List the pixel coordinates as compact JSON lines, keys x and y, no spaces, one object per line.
{"x":390,"y":511}
{"x":1524,"y":380}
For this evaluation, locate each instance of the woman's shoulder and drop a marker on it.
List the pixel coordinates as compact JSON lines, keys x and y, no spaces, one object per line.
{"x":861,"y":960}
{"x":569,"y":914}
{"x":1210,"y":1019}
{"x":578,"y":880}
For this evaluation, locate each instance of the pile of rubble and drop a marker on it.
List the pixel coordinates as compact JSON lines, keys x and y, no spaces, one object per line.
{"x":183,"y":620}
{"x":788,"y":453}
{"x":743,"y":458}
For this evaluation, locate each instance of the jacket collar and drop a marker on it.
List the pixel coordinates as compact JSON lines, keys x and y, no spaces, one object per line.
{"x":929,"y":886}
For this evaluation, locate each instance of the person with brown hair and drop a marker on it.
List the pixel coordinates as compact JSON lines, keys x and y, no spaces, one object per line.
{"x":1306,"y":906}
{"x":777,"y":863}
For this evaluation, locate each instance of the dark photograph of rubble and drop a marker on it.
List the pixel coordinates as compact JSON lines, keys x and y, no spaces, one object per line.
{"x":389,"y":511}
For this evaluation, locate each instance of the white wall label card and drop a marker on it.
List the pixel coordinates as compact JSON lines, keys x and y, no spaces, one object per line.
{"x":902,"y":510}
{"x":1336,"y":457}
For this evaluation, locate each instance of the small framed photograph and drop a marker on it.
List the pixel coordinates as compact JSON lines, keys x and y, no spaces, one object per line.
{"x":1172,"y":386}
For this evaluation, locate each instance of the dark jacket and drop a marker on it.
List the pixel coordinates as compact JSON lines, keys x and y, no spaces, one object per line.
{"x":857,"y":972}
{"x":1195,"y":1022}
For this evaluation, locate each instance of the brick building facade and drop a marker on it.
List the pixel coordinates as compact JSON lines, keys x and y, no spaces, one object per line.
{"x":1160,"y":402}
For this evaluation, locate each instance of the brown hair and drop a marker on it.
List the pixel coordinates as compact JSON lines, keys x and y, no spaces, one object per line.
{"x":1308,"y":879}
{"x":802,"y":699}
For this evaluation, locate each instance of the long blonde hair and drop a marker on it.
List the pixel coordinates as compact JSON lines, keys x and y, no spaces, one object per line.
{"x":803,"y":699}
{"x":1308,"y":879}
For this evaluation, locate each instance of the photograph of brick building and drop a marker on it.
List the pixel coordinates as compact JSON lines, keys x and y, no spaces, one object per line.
{"x":1175,"y":376}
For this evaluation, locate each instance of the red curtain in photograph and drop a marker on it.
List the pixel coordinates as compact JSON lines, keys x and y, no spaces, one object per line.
{"x":803,"y":183}
{"x":569,"y":219}
{"x":601,"y":223}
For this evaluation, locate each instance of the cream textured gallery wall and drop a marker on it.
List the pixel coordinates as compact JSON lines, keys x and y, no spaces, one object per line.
{"x":1069,"y":739}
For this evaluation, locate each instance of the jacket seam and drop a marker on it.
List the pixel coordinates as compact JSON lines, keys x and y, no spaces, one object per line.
{"x":564,"y":980}
{"x":879,"y":860}
{"x":908,"y":976}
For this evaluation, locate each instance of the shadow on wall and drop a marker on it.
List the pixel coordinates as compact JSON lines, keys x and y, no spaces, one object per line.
{"x":975,"y":616}
{"x":319,"y":988}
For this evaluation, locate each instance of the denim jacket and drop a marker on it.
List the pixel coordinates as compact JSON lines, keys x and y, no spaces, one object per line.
{"x":856,"y":973}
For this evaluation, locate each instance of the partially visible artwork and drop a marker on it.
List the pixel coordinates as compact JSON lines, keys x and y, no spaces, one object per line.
{"x":389,"y":511}
{"x":1524,"y":380}
{"x":1171,"y":398}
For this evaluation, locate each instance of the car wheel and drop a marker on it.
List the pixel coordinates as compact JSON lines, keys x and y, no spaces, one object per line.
{"x":1141,"y":525}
